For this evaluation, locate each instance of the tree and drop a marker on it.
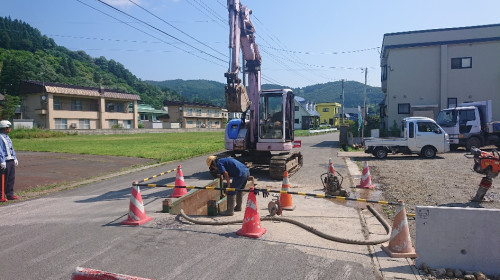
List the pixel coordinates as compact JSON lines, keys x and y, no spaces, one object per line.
{"x":9,"y":105}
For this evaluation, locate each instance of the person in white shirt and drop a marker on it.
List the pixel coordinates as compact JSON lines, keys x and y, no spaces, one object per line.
{"x":8,"y":160}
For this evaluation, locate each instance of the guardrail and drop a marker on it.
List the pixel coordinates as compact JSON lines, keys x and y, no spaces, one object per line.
{"x":317,"y":131}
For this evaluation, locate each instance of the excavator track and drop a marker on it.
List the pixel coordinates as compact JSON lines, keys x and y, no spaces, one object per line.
{"x":290,"y":162}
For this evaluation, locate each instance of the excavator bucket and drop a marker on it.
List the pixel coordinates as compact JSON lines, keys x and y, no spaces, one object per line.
{"x":237,"y":98}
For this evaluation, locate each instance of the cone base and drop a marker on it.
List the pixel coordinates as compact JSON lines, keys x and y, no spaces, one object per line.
{"x":130,"y":222}
{"x":288,"y":208}
{"x":387,"y":250}
{"x":177,"y":195}
{"x":3,"y":200}
{"x":366,"y":187}
{"x":252,"y":234}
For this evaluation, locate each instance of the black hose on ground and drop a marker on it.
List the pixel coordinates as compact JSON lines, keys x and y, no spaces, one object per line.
{"x":384,"y":223}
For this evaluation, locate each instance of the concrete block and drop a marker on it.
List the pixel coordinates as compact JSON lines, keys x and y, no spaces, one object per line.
{"x":458,"y":238}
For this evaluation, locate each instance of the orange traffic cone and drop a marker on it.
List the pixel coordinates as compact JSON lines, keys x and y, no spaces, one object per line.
{"x":179,"y":182}
{"x":251,"y":222}
{"x":331,"y":170}
{"x":366,"y":179}
{"x":400,"y":245}
{"x":136,"y":214}
{"x":286,"y":198}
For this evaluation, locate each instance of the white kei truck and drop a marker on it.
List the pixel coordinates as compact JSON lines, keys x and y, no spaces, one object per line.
{"x":419,"y":135}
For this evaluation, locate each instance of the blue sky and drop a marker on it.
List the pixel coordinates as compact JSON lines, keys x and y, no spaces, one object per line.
{"x":301,"y":42}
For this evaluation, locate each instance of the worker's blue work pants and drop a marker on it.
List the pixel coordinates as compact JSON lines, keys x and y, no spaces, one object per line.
{"x":239,"y":182}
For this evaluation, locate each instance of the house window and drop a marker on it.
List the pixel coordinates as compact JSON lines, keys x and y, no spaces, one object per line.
{"x":296,"y":108}
{"x":452,"y":102}
{"x":61,"y":123}
{"x":84,"y":124}
{"x":326,"y":109}
{"x":461,"y":62}
{"x":384,"y":73}
{"x":76,"y":105}
{"x":189,"y":111}
{"x":113,"y":123}
{"x":403,"y":108}
{"x":198,"y":112}
{"x":127,"y":124}
{"x":57,"y":104}
{"x":189,"y":122}
{"x":297,"y":121}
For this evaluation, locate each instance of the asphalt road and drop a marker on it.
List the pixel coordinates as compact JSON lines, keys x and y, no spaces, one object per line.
{"x":48,"y":237}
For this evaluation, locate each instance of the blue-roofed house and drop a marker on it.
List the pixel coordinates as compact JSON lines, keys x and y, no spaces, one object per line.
{"x":306,"y":116}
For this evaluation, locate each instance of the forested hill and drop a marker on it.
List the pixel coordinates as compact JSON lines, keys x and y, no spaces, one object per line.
{"x":213,"y":92}
{"x":26,"y":54}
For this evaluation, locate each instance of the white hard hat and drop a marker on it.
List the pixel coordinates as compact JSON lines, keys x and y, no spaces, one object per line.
{"x":5,"y":123}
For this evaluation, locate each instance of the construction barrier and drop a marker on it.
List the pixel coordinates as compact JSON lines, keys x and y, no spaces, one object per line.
{"x":286,"y":198}
{"x":251,"y":226}
{"x":400,"y":245}
{"x":179,"y":184}
{"x":366,"y":179}
{"x":136,"y":214}
{"x":158,"y":175}
{"x":82,"y":273}
{"x":317,"y":195}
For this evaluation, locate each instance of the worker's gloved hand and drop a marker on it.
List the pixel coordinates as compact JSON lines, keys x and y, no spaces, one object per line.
{"x":265,"y":193}
{"x":16,"y":162}
{"x":3,"y":165}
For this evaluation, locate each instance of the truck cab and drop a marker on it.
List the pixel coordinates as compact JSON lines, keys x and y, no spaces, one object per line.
{"x":469,"y":125}
{"x":419,"y":135}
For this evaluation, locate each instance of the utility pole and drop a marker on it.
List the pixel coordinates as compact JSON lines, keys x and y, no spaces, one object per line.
{"x":342,"y":105}
{"x":364,"y":108}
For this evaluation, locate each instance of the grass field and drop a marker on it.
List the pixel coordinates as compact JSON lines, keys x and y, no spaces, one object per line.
{"x":159,"y":146}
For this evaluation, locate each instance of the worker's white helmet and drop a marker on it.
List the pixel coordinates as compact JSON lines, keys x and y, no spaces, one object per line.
{"x":5,"y":123}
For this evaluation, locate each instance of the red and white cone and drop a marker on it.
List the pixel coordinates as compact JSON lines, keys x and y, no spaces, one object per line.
{"x":331,"y":170}
{"x":366,"y":179}
{"x":400,"y":245}
{"x":136,"y":214}
{"x":251,"y":222}
{"x":82,"y":273}
{"x":179,"y":182}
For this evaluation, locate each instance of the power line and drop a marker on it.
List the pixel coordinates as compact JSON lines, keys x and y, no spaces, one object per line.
{"x":176,"y":28}
{"x":161,"y":31}
{"x":217,"y":19}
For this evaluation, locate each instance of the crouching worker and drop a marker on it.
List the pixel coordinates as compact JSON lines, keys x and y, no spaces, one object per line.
{"x":231,"y":168}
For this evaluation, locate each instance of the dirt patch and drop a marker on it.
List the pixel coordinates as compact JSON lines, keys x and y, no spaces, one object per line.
{"x":37,"y":169}
{"x":448,"y":180}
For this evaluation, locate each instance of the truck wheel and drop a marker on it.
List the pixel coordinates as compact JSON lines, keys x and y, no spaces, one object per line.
{"x":473,"y":142}
{"x":428,"y":152}
{"x":380,"y":153}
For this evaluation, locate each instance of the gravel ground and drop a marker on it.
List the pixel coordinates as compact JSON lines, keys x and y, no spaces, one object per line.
{"x":447,"y":180}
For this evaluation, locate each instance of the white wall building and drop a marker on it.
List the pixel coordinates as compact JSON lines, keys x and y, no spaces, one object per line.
{"x":429,"y":70}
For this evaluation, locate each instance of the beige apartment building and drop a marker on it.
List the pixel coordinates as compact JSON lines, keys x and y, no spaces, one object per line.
{"x":429,"y":70}
{"x":196,"y":115}
{"x":60,"y":106}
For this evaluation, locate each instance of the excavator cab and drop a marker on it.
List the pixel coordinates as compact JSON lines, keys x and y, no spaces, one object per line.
{"x":276,"y":116}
